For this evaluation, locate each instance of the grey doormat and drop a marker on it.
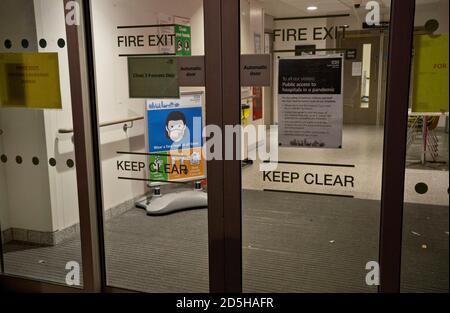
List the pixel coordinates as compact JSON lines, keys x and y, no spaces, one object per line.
{"x":291,"y":243}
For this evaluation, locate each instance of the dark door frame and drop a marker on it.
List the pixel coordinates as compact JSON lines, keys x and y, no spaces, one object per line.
{"x":222,"y":55}
{"x":394,"y":155}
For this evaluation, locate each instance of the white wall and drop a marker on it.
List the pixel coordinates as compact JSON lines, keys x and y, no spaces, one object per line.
{"x":4,"y":210}
{"x":50,"y":24}
{"x":27,"y":186}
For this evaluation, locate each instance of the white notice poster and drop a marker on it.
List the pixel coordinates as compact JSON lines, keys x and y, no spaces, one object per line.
{"x":310,"y":101}
{"x":356,"y":68}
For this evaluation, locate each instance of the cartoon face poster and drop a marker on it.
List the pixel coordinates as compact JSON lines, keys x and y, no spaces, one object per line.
{"x":175,"y":138}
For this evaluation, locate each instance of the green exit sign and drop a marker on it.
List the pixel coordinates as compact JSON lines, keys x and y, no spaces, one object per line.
{"x":183,"y":40}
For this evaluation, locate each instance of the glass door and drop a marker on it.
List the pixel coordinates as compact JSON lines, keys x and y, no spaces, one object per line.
{"x":312,"y":144}
{"x":151,"y":107}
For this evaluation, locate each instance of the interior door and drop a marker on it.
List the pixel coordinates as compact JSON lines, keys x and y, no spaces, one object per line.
{"x":361,"y":74}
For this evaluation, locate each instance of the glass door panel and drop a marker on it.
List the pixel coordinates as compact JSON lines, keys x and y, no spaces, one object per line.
{"x":312,"y":145}
{"x":149,"y":123}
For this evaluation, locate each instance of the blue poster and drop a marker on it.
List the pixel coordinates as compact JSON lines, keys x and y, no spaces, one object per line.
{"x":174,"y":123}
{"x":175,"y":137}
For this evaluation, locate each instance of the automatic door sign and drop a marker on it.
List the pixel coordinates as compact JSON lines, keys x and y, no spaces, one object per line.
{"x":255,"y":70}
{"x":175,"y":138}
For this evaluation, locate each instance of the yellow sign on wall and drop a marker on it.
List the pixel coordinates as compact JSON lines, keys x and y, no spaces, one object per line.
{"x":30,"y":80}
{"x":430,"y":90}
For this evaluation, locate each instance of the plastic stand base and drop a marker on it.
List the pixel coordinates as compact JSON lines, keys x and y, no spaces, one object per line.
{"x":174,"y":202}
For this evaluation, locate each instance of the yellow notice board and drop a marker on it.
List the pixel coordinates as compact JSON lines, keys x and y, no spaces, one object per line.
{"x":30,"y":80}
{"x":430,"y":89}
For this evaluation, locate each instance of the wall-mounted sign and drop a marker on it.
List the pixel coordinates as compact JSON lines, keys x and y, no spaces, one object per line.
{"x":153,"y":77}
{"x":191,"y":71}
{"x":306,"y":33}
{"x":430,"y":89}
{"x":183,"y":40}
{"x":255,"y":70}
{"x":310,"y":101}
{"x":183,"y":35}
{"x":175,"y":138}
{"x":30,"y":80}
{"x":350,"y":54}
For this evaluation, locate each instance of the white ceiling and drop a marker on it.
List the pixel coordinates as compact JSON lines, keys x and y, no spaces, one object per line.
{"x":289,"y":8}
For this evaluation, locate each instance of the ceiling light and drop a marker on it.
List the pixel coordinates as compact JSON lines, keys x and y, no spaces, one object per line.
{"x":311,"y":8}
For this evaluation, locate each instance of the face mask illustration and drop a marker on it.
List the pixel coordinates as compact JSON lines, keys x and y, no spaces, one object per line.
{"x":176,"y":126}
{"x":175,"y":130}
